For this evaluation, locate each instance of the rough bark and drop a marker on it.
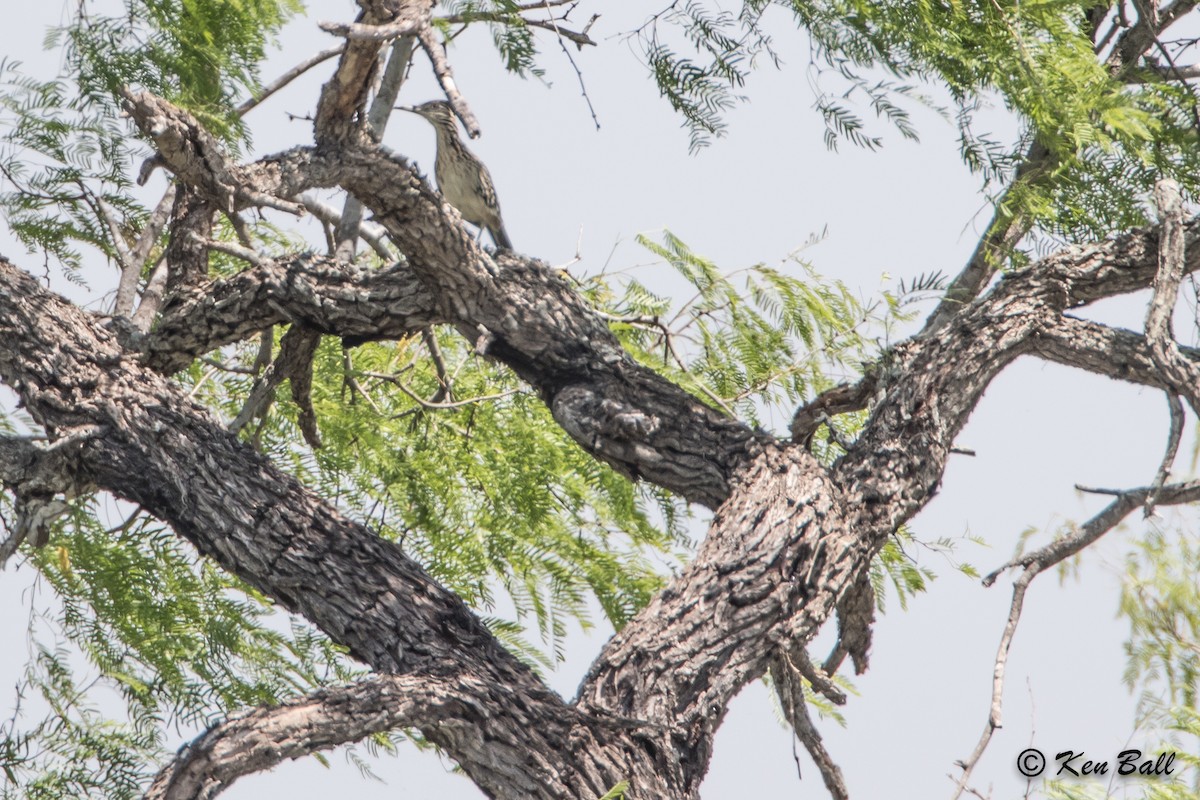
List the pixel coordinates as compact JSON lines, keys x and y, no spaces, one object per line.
{"x":790,"y":541}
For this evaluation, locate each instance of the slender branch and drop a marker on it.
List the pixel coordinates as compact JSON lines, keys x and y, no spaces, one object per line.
{"x":580,"y":38}
{"x":445,"y":389}
{"x":790,"y":691}
{"x":1039,"y":561}
{"x":1174,"y":437}
{"x":109,"y":215}
{"x":229,"y":248}
{"x":1003,"y":233}
{"x":1166,"y":72}
{"x":1100,"y":524}
{"x":1182,"y":374}
{"x":152,"y":297}
{"x":434,"y":405}
{"x":352,"y":381}
{"x":441,"y":68}
{"x":369,"y":232}
{"x":131,"y":272}
{"x":289,"y":76}
{"x":798,"y":658}
{"x":377,"y":119}
{"x":841,"y":399}
{"x":994,"y":720}
{"x":260,"y":398}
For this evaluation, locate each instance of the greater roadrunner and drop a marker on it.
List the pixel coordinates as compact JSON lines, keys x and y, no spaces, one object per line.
{"x":462,"y":178}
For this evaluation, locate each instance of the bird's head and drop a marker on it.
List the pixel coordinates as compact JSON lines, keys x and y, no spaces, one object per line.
{"x":437,"y":112}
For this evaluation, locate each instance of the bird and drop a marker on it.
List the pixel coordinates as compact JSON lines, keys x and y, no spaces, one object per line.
{"x":464,"y":181}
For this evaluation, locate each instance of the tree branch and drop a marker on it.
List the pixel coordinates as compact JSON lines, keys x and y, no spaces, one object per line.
{"x":166,"y":454}
{"x":342,"y":300}
{"x":790,"y":691}
{"x":287,"y":77}
{"x":1174,"y":437}
{"x":441,"y":68}
{"x":341,"y":108}
{"x":265,"y":737}
{"x":131,"y":273}
{"x":370,"y":233}
{"x":1039,"y":561}
{"x":377,"y":119}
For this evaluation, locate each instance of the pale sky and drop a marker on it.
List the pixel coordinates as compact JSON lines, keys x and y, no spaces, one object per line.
{"x":754,"y":197}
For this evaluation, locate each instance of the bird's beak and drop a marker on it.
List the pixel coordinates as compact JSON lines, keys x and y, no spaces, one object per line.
{"x":409,"y":109}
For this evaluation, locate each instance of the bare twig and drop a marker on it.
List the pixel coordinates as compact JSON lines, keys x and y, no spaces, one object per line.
{"x":1174,"y":436}
{"x":229,"y":248}
{"x":1039,"y":561}
{"x":289,"y":76}
{"x":1100,"y":490}
{"x":399,"y":384}
{"x":580,"y":40}
{"x":352,"y":382}
{"x":372,"y":234}
{"x":444,"y":389}
{"x":790,"y":691}
{"x":994,"y":720}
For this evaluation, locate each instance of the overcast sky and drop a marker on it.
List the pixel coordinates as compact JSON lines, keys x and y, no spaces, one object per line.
{"x":752,"y":197}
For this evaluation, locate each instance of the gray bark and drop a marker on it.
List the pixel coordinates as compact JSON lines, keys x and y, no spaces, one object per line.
{"x":790,"y":541}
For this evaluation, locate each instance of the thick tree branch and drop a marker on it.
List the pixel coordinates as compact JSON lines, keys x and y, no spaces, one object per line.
{"x":790,"y":537}
{"x":264,"y":737}
{"x":39,"y":477}
{"x":342,"y":300}
{"x":1112,"y":352}
{"x":166,"y":454}
{"x":196,"y":157}
{"x":341,"y":109}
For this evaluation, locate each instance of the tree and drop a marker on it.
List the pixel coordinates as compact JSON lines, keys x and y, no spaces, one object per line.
{"x":461,"y":420}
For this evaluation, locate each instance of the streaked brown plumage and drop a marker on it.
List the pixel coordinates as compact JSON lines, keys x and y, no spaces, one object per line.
{"x":462,"y":178}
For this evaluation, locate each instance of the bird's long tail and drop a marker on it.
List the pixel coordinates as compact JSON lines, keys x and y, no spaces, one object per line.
{"x":500,"y":237}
